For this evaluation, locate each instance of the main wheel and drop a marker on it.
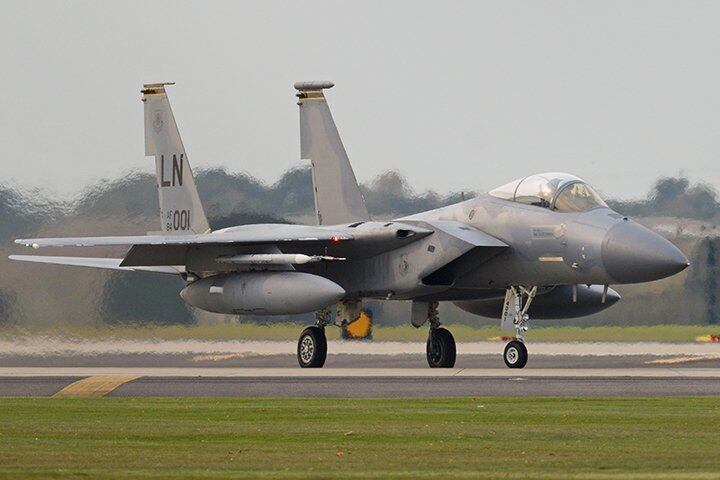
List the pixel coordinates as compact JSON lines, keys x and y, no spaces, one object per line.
{"x":312,"y":348}
{"x":516,"y":354}
{"x":440,"y":348}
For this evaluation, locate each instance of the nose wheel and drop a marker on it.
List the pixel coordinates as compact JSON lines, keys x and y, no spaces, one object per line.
{"x":516,"y":354}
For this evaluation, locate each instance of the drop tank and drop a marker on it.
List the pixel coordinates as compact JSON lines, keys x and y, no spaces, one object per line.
{"x":262,"y":293}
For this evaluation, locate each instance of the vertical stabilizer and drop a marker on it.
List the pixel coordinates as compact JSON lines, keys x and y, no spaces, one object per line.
{"x":337,"y":196}
{"x":180,"y":209}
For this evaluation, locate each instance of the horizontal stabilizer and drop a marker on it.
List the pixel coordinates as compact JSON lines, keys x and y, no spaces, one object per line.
{"x":108,"y":263}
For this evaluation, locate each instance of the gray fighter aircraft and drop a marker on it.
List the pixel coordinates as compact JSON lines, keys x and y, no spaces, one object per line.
{"x":545,"y":245}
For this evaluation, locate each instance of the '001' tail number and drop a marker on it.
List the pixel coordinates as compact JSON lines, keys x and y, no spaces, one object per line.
{"x":177,"y":220}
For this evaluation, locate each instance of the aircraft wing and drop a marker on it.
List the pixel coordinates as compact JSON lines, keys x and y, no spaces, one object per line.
{"x":109,"y":263}
{"x":203,"y":252}
{"x":247,"y":234}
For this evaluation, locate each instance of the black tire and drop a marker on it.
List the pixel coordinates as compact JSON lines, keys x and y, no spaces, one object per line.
{"x":515,"y":354}
{"x":440,"y":348}
{"x":312,"y":348}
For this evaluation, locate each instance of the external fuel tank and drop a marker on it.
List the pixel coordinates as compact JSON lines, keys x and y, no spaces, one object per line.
{"x":262,"y":293}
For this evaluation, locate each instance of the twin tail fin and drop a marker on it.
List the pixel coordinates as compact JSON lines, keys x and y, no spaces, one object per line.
{"x":180,"y":209}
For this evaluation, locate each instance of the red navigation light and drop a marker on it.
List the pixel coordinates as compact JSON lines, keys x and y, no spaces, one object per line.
{"x":335,"y":239}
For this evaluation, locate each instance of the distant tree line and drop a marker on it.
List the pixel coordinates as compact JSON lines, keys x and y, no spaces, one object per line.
{"x":673,"y":197}
{"x":228,"y":198}
{"x":238,"y":199}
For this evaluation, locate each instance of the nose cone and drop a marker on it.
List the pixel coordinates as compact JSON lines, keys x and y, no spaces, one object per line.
{"x":632,"y":254}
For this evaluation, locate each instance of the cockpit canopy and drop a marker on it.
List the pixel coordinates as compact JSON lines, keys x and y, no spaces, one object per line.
{"x":557,"y":191}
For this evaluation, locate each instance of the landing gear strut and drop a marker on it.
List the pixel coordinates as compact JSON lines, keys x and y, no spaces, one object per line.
{"x":440,"y":348}
{"x":312,"y":344}
{"x":515,"y":316}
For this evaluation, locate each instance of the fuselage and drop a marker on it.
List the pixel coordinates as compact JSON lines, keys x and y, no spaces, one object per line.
{"x":597,"y":246}
{"x":546,"y":247}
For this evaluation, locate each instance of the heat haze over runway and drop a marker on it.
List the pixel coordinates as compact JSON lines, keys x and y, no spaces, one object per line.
{"x":367,"y":369}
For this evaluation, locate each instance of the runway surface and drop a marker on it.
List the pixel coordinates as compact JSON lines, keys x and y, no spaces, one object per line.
{"x":46,"y":346}
{"x":360,"y":382}
{"x":365,"y":369}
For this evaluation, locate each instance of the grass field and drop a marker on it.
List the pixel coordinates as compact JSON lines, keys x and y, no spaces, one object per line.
{"x":252,"y":331}
{"x":114,"y":438}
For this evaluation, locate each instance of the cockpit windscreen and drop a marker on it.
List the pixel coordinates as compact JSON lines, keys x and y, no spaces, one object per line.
{"x":556,"y":191}
{"x":577,"y":197}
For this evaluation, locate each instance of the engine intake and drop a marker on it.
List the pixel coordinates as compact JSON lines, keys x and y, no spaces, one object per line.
{"x":557,"y":303}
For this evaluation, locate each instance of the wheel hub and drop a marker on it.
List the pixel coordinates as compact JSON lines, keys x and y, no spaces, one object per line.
{"x":307,"y":349}
{"x":435,"y":351}
{"x":512,"y":355}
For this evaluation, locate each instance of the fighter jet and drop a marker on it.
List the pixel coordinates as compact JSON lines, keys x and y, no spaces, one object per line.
{"x":545,"y":245}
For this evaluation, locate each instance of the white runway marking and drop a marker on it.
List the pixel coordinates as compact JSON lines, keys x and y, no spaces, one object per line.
{"x":363,"y":372}
{"x":44,"y":346}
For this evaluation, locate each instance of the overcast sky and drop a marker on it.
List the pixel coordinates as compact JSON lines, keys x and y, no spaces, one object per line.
{"x":455,"y":95}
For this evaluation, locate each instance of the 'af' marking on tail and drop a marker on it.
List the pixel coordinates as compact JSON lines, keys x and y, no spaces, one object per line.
{"x":177,"y":171}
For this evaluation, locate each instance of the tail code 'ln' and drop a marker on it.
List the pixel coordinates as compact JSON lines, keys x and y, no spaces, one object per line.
{"x":180,"y":209}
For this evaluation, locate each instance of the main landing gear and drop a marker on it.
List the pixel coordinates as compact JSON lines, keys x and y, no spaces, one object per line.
{"x":440,"y":349}
{"x":312,"y":344}
{"x":440,"y":346}
{"x":312,"y":347}
{"x":515,"y":316}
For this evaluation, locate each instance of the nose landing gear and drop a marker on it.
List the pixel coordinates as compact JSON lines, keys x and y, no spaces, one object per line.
{"x":515,"y":316}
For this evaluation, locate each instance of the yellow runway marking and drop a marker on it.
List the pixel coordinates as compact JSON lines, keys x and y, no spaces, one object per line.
{"x":708,"y":338}
{"x":686,"y":359}
{"x":95,"y":386}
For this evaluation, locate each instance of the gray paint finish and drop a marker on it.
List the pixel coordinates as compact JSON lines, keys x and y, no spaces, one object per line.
{"x":337,"y":196}
{"x":180,"y":207}
{"x":262,"y":293}
{"x":463,"y":252}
